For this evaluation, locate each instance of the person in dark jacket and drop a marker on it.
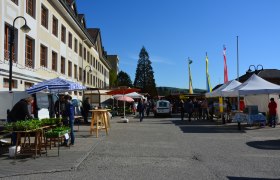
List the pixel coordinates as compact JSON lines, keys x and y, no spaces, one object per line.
{"x":272,"y":107}
{"x":181,"y":105}
{"x":20,"y":112}
{"x":141,"y":109}
{"x":86,"y":108}
{"x":69,"y":112}
{"x":188,"y":106}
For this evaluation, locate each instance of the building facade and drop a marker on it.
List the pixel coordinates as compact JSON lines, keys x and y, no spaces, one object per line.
{"x":59,"y":44}
{"x":114,"y":61}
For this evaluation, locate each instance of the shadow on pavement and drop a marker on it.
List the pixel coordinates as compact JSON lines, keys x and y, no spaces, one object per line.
{"x":205,"y":126}
{"x":247,"y":178}
{"x":268,"y":144}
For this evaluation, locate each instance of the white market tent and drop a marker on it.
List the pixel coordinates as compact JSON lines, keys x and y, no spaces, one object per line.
{"x":225,"y":87}
{"x":257,"y":91}
{"x":133,"y":95}
{"x":254,"y":85}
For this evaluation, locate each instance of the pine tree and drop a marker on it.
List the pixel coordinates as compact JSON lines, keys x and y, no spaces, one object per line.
{"x":144,"y":77}
{"x":123,"y":79}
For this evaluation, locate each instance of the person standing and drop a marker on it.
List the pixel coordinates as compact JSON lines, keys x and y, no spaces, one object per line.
{"x":140,"y":109}
{"x":69,"y":112}
{"x":59,"y":106}
{"x":20,"y":112}
{"x":181,"y":105}
{"x":272,"y":106}
{"x":86,"y":108}
{"x":189,"y":108}
{"x":204,"y":107}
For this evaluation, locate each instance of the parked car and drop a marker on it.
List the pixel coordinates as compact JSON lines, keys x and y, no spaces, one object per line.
{"x":162,"y":107}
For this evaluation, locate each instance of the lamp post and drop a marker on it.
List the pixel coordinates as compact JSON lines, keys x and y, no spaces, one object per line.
{"x":256,"y":68}
{"x":238,"y":97}
{"x":25,"y":29}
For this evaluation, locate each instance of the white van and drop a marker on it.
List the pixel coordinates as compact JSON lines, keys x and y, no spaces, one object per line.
{"x":163,"y":107}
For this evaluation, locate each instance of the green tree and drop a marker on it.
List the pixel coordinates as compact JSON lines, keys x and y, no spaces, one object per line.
{"x":144,"y":77}
{"x":123,"y":79}
{"x":113,"y":78}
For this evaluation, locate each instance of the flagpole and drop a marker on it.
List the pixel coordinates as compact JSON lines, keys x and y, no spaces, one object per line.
{"x":238,"y":97}
{"x":207,"y":87}
{"x":237,"y":70}
{"x":189,"y":75}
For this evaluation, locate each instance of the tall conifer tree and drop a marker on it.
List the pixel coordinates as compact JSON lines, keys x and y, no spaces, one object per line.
{"x":144,"y":77}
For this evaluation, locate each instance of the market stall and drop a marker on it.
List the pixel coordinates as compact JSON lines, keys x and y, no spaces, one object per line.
{"x":256,"y":92}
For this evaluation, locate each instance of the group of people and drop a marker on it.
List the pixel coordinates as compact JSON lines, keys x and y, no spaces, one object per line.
{"x":196,"y":109}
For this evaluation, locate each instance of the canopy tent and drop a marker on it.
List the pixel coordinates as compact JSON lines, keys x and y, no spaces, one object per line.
{"x":122,"y":91}
{"x":225,"y":87}
{"x":254,"y":85}
{"x":55,"y":85}
{"x":133,"y":95}
{"x":125,"y":99}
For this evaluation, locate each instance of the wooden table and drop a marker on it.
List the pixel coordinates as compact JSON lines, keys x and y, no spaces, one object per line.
{"x":99,"y":120}
{"x":38,"y":137}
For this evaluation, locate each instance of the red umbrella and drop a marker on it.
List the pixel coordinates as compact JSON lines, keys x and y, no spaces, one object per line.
{"x":122,"y":91}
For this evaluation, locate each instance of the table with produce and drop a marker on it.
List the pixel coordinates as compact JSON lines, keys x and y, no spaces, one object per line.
{"x":38,"y":130}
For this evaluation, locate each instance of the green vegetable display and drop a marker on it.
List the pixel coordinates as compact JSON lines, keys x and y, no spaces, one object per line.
{"x":31,"y":124}
{"x":56,"y":132}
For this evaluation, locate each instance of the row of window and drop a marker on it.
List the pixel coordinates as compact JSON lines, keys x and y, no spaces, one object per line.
{"x":83,"y":52}
{"x":31,"y":8}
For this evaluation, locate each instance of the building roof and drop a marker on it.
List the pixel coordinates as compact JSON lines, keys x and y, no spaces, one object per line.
{"x":272,"y":75}
{"x":93,"y":33}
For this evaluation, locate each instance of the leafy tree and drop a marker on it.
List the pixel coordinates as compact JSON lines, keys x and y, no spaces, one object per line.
{"x":123,"y":79}
{"x":113,"y":78}
{"x":144,"y":77}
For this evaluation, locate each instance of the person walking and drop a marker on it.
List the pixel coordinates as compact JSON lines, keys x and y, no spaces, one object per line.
{"x":181,"y":105}
{"x":86,"y":108}
{"x":148,"y":107}
{"x":204,"y":107}
{"x":272,"y":106}
{"x":69,"y":112}
{"x":140,"y":109}
{"x":20,"y":112}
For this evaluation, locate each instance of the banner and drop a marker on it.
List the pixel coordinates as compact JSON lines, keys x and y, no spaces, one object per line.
{"x":225,"y":66}
{"x":208,"y":85}
{"x":190,"y":78}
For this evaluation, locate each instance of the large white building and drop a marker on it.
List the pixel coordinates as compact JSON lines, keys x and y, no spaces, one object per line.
{"x":58,"y":45}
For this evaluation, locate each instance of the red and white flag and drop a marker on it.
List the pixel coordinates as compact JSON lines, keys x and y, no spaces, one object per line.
{"x":225,"y":66}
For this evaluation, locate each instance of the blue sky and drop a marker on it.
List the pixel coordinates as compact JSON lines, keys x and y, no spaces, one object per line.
{"x":172,"y":31}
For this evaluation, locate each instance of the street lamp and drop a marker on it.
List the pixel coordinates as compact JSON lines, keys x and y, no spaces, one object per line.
{"x":25,"y":29}
{"x":255,"y":67}
{"x":249,"y":70}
